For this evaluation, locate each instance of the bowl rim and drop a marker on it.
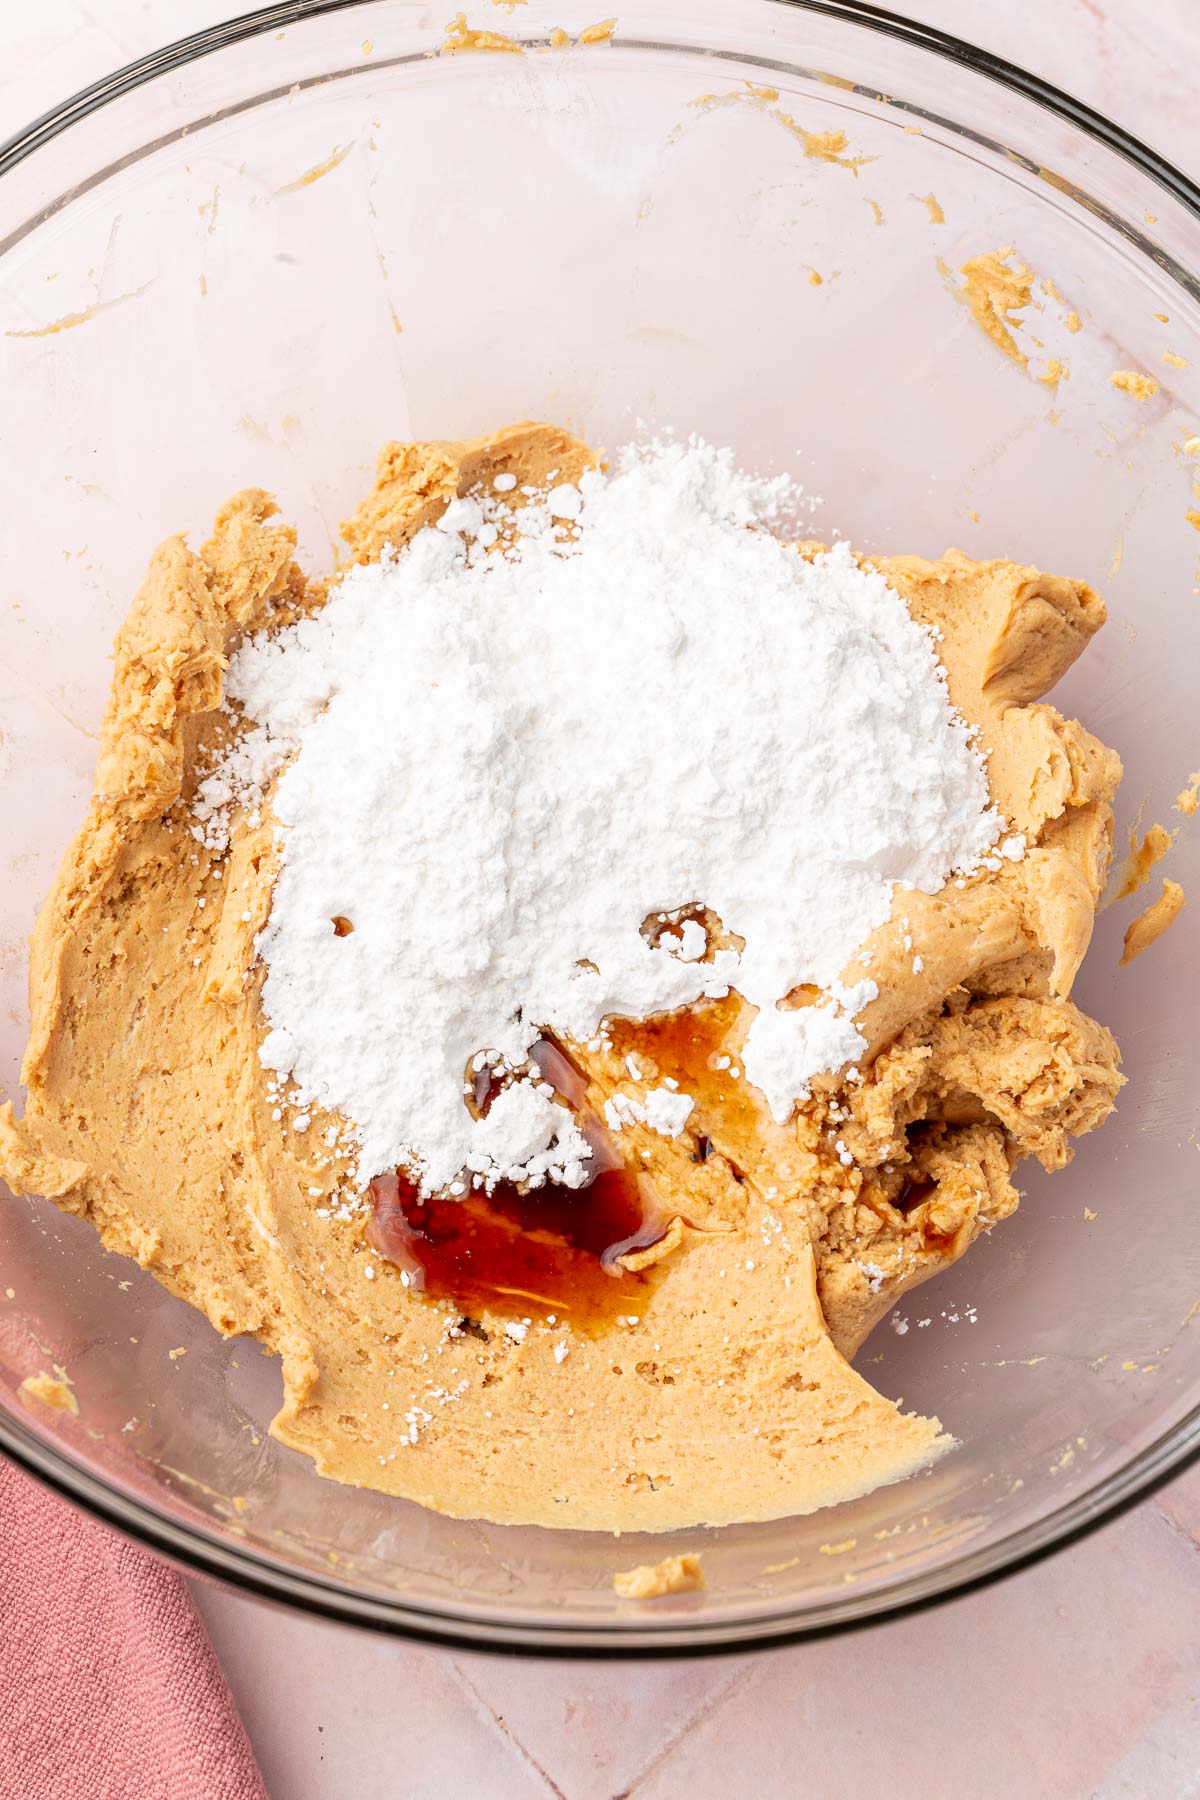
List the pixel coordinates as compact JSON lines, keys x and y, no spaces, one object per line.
{"x":198,"y":1551}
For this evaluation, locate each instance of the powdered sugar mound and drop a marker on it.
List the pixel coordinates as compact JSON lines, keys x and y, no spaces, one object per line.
{"x":503,"y":764}
{"x":528,"y":1136}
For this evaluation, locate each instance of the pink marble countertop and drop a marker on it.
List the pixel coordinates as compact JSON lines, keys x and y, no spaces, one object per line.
{"x":1075,"y":1681}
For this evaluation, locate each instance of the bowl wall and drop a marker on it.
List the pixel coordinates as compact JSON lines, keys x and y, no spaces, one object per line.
{"x":258,"y":264}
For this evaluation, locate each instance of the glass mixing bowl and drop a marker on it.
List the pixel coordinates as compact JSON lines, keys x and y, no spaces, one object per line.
{"x":252,"y":258}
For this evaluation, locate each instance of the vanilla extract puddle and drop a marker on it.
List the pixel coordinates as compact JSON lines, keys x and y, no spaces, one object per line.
{"x":554,"y":1248}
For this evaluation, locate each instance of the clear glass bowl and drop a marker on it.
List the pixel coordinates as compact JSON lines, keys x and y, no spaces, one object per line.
{"x":257,"y":255}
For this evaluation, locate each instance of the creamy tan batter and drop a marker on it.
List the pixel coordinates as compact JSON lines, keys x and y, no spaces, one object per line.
{"x":54,"y":1391}
{"x":655,"y":1581}
{"x":1144,"y":854}
{"x":1188,"y":799}
{"x":728,"y":1396}
{"x":1132,"y":382}
{"x":996,"y":292}
{"x":1150,"y":925}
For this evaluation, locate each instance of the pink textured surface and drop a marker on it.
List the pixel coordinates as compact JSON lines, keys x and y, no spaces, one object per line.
{"x":1079,"y":1680}
{"x":109,"y":1687}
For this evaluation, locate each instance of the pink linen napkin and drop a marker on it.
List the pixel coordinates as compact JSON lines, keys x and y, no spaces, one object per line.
{"x":109,"y":1687}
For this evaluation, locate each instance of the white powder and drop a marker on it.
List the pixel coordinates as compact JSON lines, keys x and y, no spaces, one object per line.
{"x":689,"y":943}
{"x":497,"y":767}
{"x":664,"y":1112}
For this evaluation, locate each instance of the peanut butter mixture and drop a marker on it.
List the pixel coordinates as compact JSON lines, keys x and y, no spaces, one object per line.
{"x":717,"y":1386}
{"x":1150,"y":925}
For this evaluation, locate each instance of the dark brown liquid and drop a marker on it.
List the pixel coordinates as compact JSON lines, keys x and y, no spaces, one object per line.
{"x":914,"y":1193}
{"x":552,"y":1248}
{"x":688,"y":1046}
